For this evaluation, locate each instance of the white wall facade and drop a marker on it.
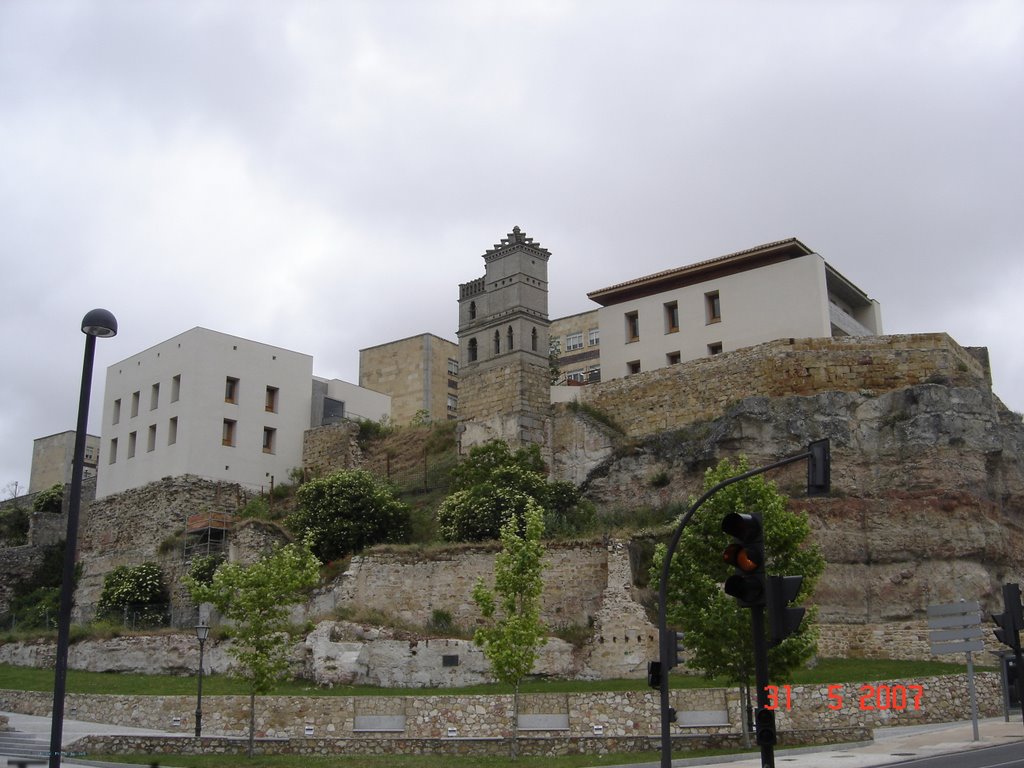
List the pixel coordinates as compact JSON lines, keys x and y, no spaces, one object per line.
{"x":165,"y":409}
{"x":781,"y":300}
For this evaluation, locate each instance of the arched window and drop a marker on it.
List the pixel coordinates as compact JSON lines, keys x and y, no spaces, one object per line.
{"x":510,"y":346}
{"x":472,"y":310}
{"x":472,"y":350}
{"x":533,"y":339}
{"x":497,"y":342}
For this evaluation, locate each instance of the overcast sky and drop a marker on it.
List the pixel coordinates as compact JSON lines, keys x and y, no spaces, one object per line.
{"x":321,"y":175}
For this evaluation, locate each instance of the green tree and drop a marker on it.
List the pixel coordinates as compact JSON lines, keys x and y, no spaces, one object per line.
{"x":140,"y":590}
{"x":485,"y":487}
{"x":257,"y":600}
{"x":716,"y":630}
{"x":513,"y":631}
{"x":346,"y":512}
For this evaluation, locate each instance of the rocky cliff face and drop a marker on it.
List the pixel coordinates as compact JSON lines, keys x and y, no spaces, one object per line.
{"x":928,"y":489}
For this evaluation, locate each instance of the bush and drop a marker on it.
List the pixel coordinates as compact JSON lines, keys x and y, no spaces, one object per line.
{"x":140,"y":590}
{"x":202,"y":568}
{"x":346,"y":512}
{"x":14,"y":526}
{"x":50,"y":500}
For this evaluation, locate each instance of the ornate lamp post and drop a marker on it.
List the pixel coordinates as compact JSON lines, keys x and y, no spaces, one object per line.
{"x":202,"y":632}
{"x":97,"y":323}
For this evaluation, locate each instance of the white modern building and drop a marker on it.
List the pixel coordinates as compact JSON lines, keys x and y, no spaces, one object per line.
{"x":217,"y":406}
{"x":777,"y":290}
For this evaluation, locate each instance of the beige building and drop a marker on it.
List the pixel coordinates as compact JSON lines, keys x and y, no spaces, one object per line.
{"x":773,"y":291}
{"x":53,"y":456}
{"x":420,"y":373}
{"x":579,"y":348}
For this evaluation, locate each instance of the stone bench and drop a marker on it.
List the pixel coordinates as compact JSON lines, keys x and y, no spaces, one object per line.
{"x":379,"y":724}
{"x":549,"y":722}
{"x":706,"y":718}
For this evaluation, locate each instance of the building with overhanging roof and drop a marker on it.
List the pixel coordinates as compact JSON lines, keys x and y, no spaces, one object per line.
{"x":776,"y":290}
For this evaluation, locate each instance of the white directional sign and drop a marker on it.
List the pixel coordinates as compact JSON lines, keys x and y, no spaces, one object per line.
{"x":955,"y":627}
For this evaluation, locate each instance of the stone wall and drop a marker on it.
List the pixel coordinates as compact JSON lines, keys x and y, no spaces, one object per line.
{"x":411,"y":587}
{"x":16,"y":563}
{"x":330,"y":448}
{"x":625,"y":714}
{"x":702,"y":389}
{"x":128,"y":529}
{"x":507,"y":399}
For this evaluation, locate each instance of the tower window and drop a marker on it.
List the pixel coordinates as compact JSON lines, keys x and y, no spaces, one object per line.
{"x":533,"y":339}
{"x":511,"y":343}
{"x":497,"y":342}
{"x":472,"y":310}
{"x":471,"y":350}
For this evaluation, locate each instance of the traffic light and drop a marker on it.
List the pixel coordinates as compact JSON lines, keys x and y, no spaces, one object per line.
{"x":819,"y":468}
{"x":783,"y":619}
{"x":746,"y":554}
{"x":676,"y":651}
{"x":764,"y":722}
{"x":654,"y":674}
{"x":1011,"y":621}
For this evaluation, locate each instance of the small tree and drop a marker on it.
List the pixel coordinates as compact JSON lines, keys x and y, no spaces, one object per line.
{"x":513,"y":632}
{"x":50,"y":500}
{"x":346,"y":512}
{"x":716,"y":630}
{"x":257,"y":599}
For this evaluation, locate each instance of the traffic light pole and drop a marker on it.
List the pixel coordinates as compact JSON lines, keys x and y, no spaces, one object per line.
{"x":818,"y":475}
{"x":761,"y":675}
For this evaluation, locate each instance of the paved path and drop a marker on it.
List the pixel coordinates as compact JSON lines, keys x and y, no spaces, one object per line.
{"x":891,"y":745}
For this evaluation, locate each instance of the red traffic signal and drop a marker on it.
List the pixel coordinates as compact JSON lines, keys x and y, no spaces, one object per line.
{"x":746,"y":555}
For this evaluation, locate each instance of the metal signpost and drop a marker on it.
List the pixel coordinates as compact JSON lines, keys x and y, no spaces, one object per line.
{"x":956,"y":628}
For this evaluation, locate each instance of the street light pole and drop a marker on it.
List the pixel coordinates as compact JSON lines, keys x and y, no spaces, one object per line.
{"x":202,"y":632}
{"x":101,"y":323}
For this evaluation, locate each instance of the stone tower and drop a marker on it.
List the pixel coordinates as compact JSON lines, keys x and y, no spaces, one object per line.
{"x":504,"y":385}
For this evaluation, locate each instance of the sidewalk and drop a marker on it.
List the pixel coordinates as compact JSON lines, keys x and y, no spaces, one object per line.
{"x":891,"y":745}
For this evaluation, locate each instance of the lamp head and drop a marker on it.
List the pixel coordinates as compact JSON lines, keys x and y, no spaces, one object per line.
{"x":202,"y":632}
{"x":99,"y":322}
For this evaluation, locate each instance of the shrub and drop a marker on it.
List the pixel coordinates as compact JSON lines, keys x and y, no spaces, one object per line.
{"x":346,"y":512}
{"x":50,"y":500}
{"x":140,"y":589}
{"x":202,"y":568}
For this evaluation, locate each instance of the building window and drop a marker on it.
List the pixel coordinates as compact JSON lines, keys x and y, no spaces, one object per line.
{"x":175,"y":388}
{"x":228,"y":433}
{"x":497,"y":342}
{"x":632,"y":367}
{"x":231,"y":390}
{"x":573,"y":341}
{"x":511,"y":345}
{"x":632,"y":327}
{"x":715,"y":349}
{"x":271,"y":406}
{"x":131,"y":445}
{"x":471,"y":350}
{"x":113,"y":451}
{"x":593,"y":337}
{"x":453,"y":403}
{"x":575,"y":377}
{"x":533,"y":340}
{"x":673,"y":358}
{"x":671,"y":317}
{"x":269,"y":433}
{"x":154,"y":397}
{"x":472,"y":310}
{"x":117,"y":412}
{"x":594,"y":374}
{"x":172,"y":430}
{"x":712,"y":307}
{"x":135,"y":404}
{"x":151,"y":439}
{"x":453,"y":367}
